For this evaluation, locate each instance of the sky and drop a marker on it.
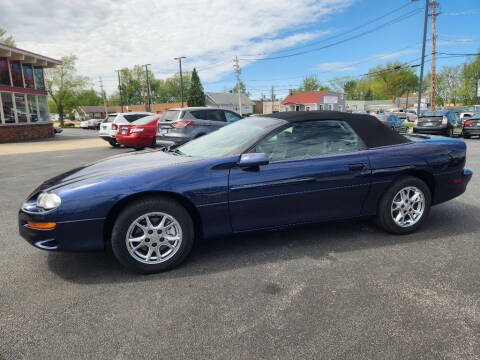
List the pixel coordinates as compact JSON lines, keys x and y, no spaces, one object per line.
{"x":278,"y":42}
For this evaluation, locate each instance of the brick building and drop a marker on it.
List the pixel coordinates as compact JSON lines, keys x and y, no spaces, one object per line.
{"x":24,"y":110}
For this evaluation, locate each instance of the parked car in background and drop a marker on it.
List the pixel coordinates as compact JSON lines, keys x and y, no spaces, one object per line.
{"x":94,"y":123}
{"x":393,"y":122}
{"x":463,"y":112}
{"x":178,"y":126}
{"x":439,"y":122}
{"x":84,"y":124}
{"x":375,"y":112}
{"x":411,"y":115}
{"x":109,"y":126}
{"x":68,"y":123}
{"x":139,"y":133}
{"x":262,"y":172}
{"x":471,"y":126}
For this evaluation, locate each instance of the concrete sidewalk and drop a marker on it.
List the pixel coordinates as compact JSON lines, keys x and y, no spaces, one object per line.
{"x":51,"y":145}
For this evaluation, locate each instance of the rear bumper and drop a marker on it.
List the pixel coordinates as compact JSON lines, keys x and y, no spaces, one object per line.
{"x":469,"y":132}
{"x":134,"y":140}
{"x":171,"y":140}
{"x":430,"y":130}
{"x":451,"y":185}
{"x":82,"y":235}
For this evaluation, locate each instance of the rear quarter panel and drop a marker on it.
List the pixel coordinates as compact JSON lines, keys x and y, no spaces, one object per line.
{"x":435,"y":158}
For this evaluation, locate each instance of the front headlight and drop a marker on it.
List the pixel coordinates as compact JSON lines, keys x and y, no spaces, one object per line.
{"x":48,"y":201}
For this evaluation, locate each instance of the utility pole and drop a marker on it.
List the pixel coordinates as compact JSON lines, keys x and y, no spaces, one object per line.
{"x":120,"y":89}
{"x":181,"y":78}
{"x":103,"y":96}
{"x":149,"y":102}
{"x":238,"y":70}
{"x":425,"y":21}
{"x":434,"y":53}
{"x":273,"y":98}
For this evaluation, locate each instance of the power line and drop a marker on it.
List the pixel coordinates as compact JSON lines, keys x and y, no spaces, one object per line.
{"x":381,"y":26}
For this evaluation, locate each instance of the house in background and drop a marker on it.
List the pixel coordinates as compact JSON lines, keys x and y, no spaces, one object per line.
{"x":314,"y":100}
{"x":92,"y":112}
{"x":229,"y":101}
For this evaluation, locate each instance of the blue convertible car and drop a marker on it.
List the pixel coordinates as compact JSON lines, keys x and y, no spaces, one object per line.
{"x":258,"y":173}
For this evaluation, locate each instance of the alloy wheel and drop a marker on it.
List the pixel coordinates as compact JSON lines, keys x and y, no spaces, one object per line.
{"x":153,"y":238}
{"x":408,"y":206}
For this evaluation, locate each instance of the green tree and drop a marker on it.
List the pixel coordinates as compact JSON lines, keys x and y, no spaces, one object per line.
{"x":243,"y":88}
{"x":195,"y":96}
{"x":469,"y":76}
{"x":62,"y":82}
{"x":311,"y":83}
{"x":6,"y":39}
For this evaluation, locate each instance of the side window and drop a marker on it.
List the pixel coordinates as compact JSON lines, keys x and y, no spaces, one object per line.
{"x":200,"y":114}
{"x":231,"y":117}
{"x":310,"y":138}
{"x":216,"y":115}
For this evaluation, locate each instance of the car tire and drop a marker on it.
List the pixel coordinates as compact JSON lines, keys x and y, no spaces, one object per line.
{"x":466,"y":136}
{"x":113,"y":143}
{"x":154,"y":143}
{"x":389,"y":206}
{"x":450,"y":132}
{"x":136,"y":260}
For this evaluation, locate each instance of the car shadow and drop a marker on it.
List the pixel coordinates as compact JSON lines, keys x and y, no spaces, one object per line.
{"x":320,"y":242}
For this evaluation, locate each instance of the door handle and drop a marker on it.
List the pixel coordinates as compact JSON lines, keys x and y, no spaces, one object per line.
{"x":354,"y":167}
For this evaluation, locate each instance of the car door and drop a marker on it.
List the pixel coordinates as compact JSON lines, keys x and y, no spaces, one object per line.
{"x":318,"y":170}
{"x":203,"y":124}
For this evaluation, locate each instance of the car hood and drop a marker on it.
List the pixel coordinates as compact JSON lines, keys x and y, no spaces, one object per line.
{"x":120,"y":165}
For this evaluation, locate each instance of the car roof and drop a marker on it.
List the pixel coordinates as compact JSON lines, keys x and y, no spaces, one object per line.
{"x":194,"y":108}
{"x":373,"y":132}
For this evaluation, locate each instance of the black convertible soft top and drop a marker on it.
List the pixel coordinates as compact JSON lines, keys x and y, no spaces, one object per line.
{"x":370,"y":129}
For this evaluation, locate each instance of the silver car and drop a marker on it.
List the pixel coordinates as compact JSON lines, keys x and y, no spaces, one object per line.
{"x":178,"y":126}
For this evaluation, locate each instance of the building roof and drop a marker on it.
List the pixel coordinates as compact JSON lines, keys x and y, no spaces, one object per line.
{"x":97,"y":109}
{"x":228,"y":98}
{"x":311,"y":97}
{"x":27,"y":57}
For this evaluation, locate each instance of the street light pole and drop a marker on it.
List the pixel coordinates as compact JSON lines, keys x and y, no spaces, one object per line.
{"x":181,"y":78}
{"x":423,"y":55}
{"x":148,"y":89}
{"x":120,"y":89}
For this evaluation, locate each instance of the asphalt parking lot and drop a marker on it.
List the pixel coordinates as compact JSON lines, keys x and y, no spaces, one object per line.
{"x":336,"y":291}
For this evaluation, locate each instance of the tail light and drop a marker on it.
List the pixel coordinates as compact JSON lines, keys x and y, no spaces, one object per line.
{"x":384,"y":122}
{"x":468,"y":122}
{"x":182,"y":124}
{"x":114,"y":126}
{"x":444,"y":120}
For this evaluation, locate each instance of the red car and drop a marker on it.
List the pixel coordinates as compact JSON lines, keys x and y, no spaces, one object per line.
{"x":140,"y":133}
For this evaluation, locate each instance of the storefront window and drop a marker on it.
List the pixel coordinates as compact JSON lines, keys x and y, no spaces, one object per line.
{"x":16,"y":72}
{"x":21,"y":107}
{"x":4,"y":74}
{"x":8,"y":109}
{"x":43,"y":108}
{"x":28,"y":75}
{"x":39,"y":81}
{"x":32,"y":107}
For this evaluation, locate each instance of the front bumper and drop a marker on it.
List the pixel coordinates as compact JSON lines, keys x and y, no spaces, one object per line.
{"x":81,"y":235}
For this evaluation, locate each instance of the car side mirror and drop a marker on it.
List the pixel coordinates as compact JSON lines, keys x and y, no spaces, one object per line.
{"x":253,"y":159}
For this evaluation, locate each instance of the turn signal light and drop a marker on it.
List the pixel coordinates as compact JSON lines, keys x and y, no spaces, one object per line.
{"x":41,"y":225}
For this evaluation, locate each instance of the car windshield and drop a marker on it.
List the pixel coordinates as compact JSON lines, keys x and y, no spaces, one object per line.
{"x":144,"y":120}
{"x":110,"y":118}
{"x":429,"y":113}
{"x":231,"y":139}
{"x":171,"y":115}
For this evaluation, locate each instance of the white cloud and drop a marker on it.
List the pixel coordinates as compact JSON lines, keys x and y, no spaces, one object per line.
{"x":337,"y":66}
{"x":109,"y":34}
{"x":341,"y":66}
